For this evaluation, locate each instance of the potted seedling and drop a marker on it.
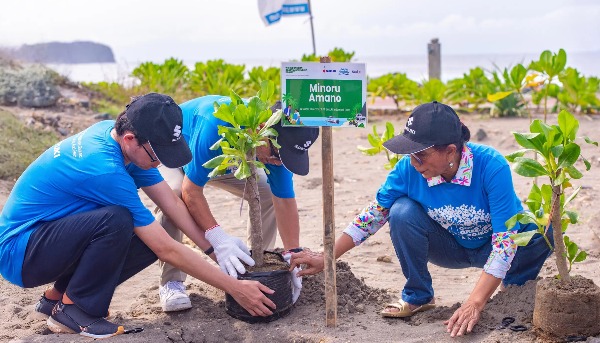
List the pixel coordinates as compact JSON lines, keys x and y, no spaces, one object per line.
{"x":564,"y":305}
{"x":250,"y":128}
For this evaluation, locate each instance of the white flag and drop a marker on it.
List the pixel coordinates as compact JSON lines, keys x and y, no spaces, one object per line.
{"x":271,"y":10}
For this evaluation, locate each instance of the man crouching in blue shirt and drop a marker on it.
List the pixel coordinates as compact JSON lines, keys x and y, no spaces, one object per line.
{"x":75,"y":218}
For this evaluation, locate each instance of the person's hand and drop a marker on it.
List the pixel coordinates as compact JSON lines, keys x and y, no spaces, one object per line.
{"x":229,"y":251}
{"x":251,"y":296}
{"x":296,"y":280}
{"x":310,"y":262}
{"x":464,"y":319}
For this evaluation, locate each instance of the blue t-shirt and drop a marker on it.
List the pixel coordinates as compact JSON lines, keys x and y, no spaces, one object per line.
{"x":470,"y":213}
{"x":81,"y":173}
{"x":200,"y":130}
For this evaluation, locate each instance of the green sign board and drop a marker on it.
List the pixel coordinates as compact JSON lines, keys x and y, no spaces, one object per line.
{"x":324,"y":94}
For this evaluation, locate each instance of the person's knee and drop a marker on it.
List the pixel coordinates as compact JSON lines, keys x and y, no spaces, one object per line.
{"x":404,"y":210}
{"x":119,"y":219}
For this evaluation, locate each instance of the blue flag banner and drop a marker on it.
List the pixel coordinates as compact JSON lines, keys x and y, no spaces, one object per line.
{"x":271,"y":11}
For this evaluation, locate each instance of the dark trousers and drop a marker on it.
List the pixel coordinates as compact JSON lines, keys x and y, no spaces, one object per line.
{"x":87,"y":255}
{"x":418,"y":239}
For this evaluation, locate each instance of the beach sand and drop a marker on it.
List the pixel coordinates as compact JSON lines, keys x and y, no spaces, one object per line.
{"x":364,"y":283}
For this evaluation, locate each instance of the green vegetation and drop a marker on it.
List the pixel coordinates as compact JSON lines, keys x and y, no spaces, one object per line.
{"x":250,"y":128}
{"x":558,"y":154}
{"x":508,"y":91}
{"x":20,"y":145}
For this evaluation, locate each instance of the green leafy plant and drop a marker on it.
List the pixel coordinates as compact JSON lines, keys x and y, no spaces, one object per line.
{"x":337,"y":55}
{"x":512,"y":101}
{"x":257,"y":75}
{"x":170,"y":77}
{"x":376,"y":141}
{"x":250,"y":128}
{"x":431,"y":90}
{"x":20,"y":145}
{"x":470,"y":90}
{"x":396,"y":86}
{"x":550,"y":65}
{"x":558,"y":152}
{"x":216,"y":77}
{"x":578,"y":93}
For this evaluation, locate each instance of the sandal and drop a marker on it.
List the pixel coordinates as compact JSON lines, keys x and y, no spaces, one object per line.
{"x":404,"y":309}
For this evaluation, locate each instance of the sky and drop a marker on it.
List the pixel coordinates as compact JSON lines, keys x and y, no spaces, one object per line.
{"x":150,"y":30}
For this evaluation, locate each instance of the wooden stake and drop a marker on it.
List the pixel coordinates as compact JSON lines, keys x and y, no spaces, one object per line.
{"x":328,"y":222}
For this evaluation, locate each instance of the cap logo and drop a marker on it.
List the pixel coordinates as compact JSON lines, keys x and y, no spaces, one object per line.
{"x":176,"y":133}
{"x":307,"y":145}
{"x":407,"y":128}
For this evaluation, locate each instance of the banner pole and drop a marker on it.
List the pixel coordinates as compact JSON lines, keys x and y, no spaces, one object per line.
{"x":312,"y":30}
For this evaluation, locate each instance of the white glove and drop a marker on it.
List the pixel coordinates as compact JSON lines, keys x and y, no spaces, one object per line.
{"x":296,"y":280}
{"x":229,"y":251}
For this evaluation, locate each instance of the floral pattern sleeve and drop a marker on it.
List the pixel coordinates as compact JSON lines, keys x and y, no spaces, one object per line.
{"x":367,"y":222}
{"x":503,"y":252}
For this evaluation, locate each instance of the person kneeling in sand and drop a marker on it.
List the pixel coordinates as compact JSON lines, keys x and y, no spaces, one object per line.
{"x":445,"y":203}
{"x":75,"y":218}
{"x":279,"y":210}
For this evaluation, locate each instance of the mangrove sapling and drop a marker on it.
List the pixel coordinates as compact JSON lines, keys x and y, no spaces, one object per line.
{"x":558,"y":152}
{"x":377,"y":141}
{"x":250,"y":128}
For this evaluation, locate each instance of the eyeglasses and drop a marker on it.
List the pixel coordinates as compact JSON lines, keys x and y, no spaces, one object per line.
{"x":274,"y":151}
{"x":416,"y":158}
{"x":152,"y":159}
{"x":422,"y":158}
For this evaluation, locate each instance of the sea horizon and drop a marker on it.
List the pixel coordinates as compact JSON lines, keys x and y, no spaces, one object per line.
{"x":414,"y":66}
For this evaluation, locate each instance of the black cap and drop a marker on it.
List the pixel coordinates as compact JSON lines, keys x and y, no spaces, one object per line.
{"x":294,"y":142}
{"x":428,"y":125}
{"x":157,"y":118}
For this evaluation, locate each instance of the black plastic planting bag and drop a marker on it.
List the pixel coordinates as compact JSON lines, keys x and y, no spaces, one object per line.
{"x":280,"y":281}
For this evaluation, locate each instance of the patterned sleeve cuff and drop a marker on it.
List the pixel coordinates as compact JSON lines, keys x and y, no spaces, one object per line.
{"x":503,"y":252}
{"x":367,"y":222}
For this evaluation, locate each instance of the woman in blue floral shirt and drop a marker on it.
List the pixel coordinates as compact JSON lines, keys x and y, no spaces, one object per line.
{"x":447,"y":204}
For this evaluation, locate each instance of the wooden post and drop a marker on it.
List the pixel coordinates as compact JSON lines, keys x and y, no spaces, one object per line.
{"x":328,"y":223}
{"x":434,"y":53}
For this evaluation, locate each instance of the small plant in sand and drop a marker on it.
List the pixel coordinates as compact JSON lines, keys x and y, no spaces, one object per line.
{"x":558,"y":153}
{"x":376,"y":141}
{"x":251,"y":127}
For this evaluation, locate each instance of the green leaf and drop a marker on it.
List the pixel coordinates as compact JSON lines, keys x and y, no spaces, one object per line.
{"x":522,"y":239}
{"x":573,"y":172}
{"x":571,"y":249}
{"x":223,"y":112}
{"x":589,"y":141}
{"x":214,"y":162}
{"x":519,"y":153}
{"x":569,"y":156}
{"x":557,"y":150}
{"x":389,"y":132}
{"x":517,"y":74}
{"x":581,"y":256}
{"x":276,"y":117}
{"x":243,"y":171}
{"x":525,"y":139}
{"x":528,"y":167}
{"x":572,"y":196}
{"x":568,"y":124}
{"x":217,"y":144}
{"x":559,"y":62}
{"x":573,"y":216}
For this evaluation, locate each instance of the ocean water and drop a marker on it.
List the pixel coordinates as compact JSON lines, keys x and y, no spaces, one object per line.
{"x":415,"y":66}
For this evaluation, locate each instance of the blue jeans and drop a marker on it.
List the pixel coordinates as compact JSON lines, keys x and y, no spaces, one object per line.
{"x":418,"y":239}
{"x":86,"y":255}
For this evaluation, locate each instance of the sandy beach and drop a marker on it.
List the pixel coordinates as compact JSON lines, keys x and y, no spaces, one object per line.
{"x":364,"y":283}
